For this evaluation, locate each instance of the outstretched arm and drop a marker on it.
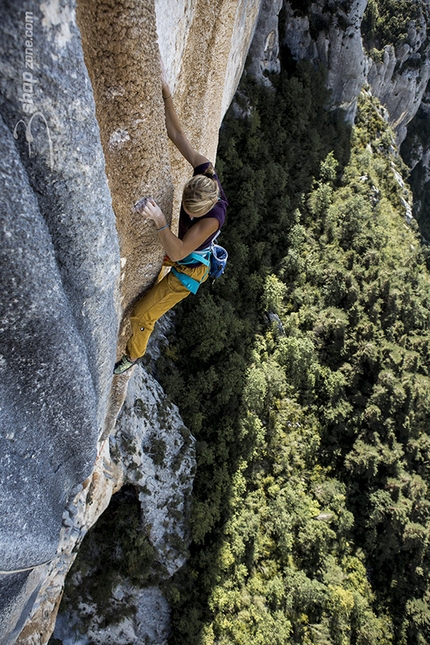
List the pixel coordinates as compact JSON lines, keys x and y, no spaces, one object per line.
{"x":174,"y":127}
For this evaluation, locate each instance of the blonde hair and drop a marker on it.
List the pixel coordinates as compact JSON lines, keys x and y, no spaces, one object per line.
{"x":201,"y":193}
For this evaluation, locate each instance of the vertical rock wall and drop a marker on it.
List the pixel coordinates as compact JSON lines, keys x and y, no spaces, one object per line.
{"x":331,"y":35}
{"x":212,"y":55}
{"x":70,"y":267}
{"x":204,"y":45}
{"x":401,"y":92}
{"x":60,"y":264}
{"x":264,"y":51}
{"x":122,"y":57}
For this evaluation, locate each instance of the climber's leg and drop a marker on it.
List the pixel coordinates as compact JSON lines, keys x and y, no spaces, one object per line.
{"x":160,"y":299}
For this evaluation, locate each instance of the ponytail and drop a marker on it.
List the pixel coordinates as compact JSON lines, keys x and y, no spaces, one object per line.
{"x":210,"y":171}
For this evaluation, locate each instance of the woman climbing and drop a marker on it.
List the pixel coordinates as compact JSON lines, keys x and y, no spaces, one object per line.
{"x":202,"y":215}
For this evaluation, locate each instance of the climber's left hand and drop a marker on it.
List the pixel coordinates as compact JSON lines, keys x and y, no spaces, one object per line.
{"x":153,"y":212}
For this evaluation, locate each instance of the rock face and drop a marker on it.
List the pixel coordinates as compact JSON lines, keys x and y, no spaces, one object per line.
{"x":122,"y":56}
{"x":156,"y":455}
{"x":331,"y":35}
{"x":400,"y":79}
{"x":151,"y":624}
{"x":420,"y":146}
{"x":75,"y":256}
{"x":218,"y":55}
{"x":264,"y":51}
{"x":415,"y":151}
{"x":60,"y":265}
{"x":36,"y":624}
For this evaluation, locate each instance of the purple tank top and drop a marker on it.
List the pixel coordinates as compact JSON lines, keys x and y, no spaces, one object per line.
{"x":218,"y":212}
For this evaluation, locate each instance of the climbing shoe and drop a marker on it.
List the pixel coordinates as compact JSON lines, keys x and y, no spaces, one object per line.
{"x":123,"y":365}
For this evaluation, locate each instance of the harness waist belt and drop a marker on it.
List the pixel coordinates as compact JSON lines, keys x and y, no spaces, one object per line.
{"x":196,"y":257}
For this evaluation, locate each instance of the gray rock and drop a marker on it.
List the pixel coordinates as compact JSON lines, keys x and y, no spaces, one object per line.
{"x":345,"y":57}
{"x":401,"y":92}
{"x":398,"y":75}
{"x":18,"y":592}
{"x":332,"y":38}
{"x":59,"y":267}
{"x":49,"y":425}
{"x":151,"y":624}
{"x":158,"y":455}
{"x":264,"y":50}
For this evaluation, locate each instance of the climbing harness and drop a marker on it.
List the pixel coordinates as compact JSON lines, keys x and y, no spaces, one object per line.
{"x":202,"y":257}
{"x":214,"y":258}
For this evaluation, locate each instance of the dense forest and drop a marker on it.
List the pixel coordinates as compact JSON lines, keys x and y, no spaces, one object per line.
{"x":304,"y":374}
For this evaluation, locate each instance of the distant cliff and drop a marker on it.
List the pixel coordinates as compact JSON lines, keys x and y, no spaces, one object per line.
{"x":353,"y":41}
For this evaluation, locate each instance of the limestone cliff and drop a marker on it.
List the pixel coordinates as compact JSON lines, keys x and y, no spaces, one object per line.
{"x":331,"y":34}
{"x":60,"y":260}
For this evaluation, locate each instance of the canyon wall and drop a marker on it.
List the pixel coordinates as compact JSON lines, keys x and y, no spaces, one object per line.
{"x":330,"y":34}
{"x":82,"y":126}
{"x":59,"y":280}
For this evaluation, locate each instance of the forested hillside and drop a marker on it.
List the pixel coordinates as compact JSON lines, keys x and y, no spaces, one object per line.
{"x":304,"y":375}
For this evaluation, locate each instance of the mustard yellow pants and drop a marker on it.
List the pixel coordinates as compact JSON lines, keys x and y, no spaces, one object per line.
{"x":161,"y":298}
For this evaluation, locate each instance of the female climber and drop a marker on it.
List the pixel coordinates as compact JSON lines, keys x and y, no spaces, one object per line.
{"x":202,"y":215}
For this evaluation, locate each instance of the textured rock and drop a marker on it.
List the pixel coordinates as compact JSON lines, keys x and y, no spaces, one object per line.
{"x":199,"y":42}
{"x":155,"y":453}
{"x":68,"y":164}
{"x":213,"y":58}
{"x":150,"y":625}
{"x":264,"y":51}
{"x":245,"y":29}
{"x":18,"y":594}
{"x":420,"y":145}
{"x":329,"y":35}
{"x":399,"y":75}
{"x":415,"y":151}
{"x":345,"y":60}
{"x":78,"y":516}
{"x":332,"y":38}
{"x":60,"y":262}
{"x":121,"y":54}
{"x":401,"y":92}
{"x":230,"y":35}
